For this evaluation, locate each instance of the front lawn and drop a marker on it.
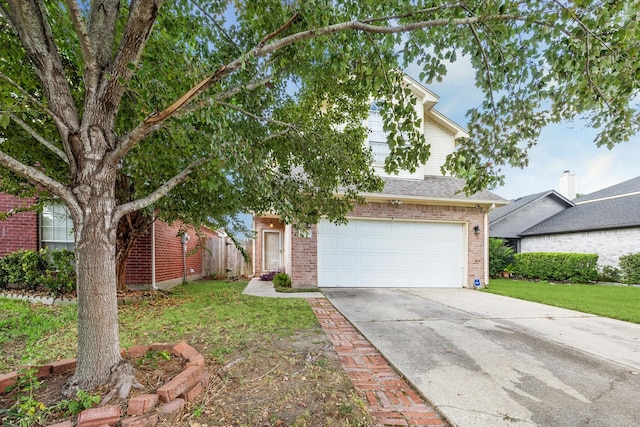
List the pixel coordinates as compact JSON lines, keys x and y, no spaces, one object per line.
{"x":269,"y":360}
{"x":616,"y":302}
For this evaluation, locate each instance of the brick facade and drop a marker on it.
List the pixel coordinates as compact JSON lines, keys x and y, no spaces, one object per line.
{"x":608,"y":244}
{"x":168,"y":256}
{"x":304,"y":259}
{"x":19,"y":231}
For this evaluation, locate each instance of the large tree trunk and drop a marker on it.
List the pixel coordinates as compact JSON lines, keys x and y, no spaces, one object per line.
{"x":98,"y":341}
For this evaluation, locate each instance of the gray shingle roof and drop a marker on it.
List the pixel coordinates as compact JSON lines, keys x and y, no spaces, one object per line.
{"x":620,"y":212}
{"x":516,"y":204}
{"x":626,"y":187}
{"x":437,"y":187}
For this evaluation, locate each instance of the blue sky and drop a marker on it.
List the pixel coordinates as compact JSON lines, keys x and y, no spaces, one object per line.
{"x":565,"y":146}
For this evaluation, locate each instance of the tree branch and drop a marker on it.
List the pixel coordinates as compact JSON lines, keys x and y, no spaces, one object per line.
{"x":37,"y":177}
{"x":58,"y":152}
{"x":154,"y":121}
{"x":264,"y":119}
{"x":487,"y":67}
{"x":279,"y":31}
{"x":90,"y":66}
{"x":158,"y":193}
{"x":31,"y":98}
{"x":102,"y":27}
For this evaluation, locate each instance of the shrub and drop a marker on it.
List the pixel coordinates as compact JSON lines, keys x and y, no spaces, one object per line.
{"x":29,"y":269}
{"x":564,"y":267}
{"x":60,"y":276}
{"x":609,"y":273}
{"x":282,"y":280}
{"x":500,"y":256}
{"x":269,"y":275}
{"x":630,"y":268}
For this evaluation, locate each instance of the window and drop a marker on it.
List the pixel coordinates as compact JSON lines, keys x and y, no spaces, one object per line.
{"x":377,"y":136}
{"x":56,"y":228}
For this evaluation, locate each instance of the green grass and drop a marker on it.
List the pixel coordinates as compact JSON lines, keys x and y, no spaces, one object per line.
{"x":213,"y":314}
{"x":616,"y":302}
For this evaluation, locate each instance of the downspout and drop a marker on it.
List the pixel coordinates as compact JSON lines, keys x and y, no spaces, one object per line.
{"x":153,"y":253}
{"x":486,"y":244}
{"x":253,"y":246}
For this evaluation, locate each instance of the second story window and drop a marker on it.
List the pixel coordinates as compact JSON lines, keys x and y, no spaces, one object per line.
{"x":377,"y":136}
{"x":56,"y":227}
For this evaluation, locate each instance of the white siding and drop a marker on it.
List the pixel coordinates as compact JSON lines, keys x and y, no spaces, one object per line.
{"x":608,"y":244}
{"x":442,"y":144}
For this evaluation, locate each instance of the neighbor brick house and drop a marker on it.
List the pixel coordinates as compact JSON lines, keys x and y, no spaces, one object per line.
{"x":156,"y":258}
{"x":605,"y":222}
{"x":419,"y":231}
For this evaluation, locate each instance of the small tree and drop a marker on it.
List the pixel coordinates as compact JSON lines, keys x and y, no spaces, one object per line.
{"x":500,"y":256}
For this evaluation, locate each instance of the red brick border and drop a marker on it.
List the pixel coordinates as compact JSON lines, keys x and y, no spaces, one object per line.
{"x":390,"y":399}
{"x":183,"y":387}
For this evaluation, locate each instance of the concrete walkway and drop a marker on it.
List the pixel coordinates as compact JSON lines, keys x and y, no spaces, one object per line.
{"x":487,"y":360}
{"x":262,"y":288}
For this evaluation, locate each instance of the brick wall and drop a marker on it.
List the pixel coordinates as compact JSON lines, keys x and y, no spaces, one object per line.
{"x":305,"y":250}
{"x":168,"y":248}
{"x":139,"y":262}
{"x":19,"y":231}
{"x":304,"y":260}
{"x":608,"y":244}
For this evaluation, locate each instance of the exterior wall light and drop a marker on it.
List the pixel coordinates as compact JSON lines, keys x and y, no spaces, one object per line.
{"x":476,"y":229}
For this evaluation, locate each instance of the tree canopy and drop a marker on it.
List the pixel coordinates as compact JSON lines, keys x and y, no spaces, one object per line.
{"x":211,"y":107}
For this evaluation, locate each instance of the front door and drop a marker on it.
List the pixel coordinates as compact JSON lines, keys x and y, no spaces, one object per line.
{"x":272,"y":250}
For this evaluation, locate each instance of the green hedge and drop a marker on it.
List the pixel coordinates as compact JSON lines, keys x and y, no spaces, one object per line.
{"x":52,"y":271}
{"x":564,"y":267}
{"x":630,"y":268}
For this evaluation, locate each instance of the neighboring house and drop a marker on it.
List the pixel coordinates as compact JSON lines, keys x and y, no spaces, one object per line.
{"x":508,"y":222}
{"x":156,"y":258}
{"x":420,"y":231}
{"x":606,"y":222}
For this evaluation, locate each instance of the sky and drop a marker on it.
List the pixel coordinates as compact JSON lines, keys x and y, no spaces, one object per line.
{"x":561,"y":147}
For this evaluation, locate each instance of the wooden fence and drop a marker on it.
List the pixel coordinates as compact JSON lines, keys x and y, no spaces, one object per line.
{"x":221,"y":258}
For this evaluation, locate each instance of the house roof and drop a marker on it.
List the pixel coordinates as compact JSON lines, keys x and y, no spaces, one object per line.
{"x":443,"y":189}
{"x":517,"y":204}
{"x":626,"y":187}
{"x":619,"y":212}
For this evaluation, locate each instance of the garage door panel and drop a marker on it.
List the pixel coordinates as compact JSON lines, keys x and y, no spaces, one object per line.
{"x":378,"y":253}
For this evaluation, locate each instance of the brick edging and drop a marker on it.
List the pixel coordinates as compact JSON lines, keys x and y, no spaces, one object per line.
{"x":390,"y":399}
{"x":142,"y":410}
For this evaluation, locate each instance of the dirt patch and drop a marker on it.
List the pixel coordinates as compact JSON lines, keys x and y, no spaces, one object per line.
{"x":292,"y":381}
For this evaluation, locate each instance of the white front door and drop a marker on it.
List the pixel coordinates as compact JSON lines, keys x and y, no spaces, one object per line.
{"x":271,"y":250}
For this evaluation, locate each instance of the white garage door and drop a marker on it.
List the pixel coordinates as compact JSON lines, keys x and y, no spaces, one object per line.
{"x":380,"y":253}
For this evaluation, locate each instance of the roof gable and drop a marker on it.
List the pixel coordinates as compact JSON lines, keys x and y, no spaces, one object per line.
{"x":518,"y":204}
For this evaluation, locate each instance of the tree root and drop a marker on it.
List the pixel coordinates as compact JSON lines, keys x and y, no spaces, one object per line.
{"x":122,"y":379}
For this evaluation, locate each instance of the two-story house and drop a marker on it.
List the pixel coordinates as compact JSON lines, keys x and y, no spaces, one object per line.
{"x":419,"y":231}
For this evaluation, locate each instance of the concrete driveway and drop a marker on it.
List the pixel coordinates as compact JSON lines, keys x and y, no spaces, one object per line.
{"x":487,"y":360}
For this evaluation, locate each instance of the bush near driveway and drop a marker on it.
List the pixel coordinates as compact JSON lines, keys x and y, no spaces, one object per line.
{"x":630,"y":267}
{"x":564,"y":267}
